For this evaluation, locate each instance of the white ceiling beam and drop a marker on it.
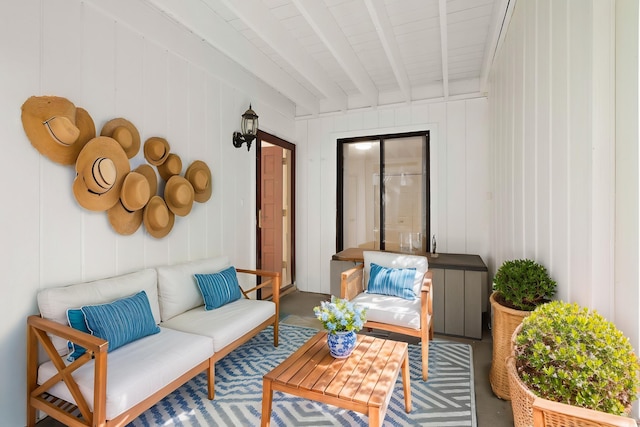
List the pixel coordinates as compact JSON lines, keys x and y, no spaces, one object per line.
{"x":326,"y":28}
{"x":201,"y":20}
{"x":384,"y":29}
{"x":257,"y":16}
{"x":499,"y":23}
{"x":444,"y":46}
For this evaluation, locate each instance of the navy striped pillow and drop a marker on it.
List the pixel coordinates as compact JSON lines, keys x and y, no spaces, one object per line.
{"x":122,"y":321}
{"x":219,"y":288}
{"x":397,"y":282}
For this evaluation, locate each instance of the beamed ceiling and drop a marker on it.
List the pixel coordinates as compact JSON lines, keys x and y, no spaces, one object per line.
{"x":337,"y":55}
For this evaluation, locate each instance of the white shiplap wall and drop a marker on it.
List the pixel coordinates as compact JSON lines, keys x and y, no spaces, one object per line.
{"x":120,"y":58}
{"x":552,"y":117}
{"x":460,"y":194}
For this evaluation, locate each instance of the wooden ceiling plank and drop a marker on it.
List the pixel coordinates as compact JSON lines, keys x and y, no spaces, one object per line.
{"x":444,"y":46}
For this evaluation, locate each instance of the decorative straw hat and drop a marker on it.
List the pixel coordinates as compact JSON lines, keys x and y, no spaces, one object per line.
{"x":151,"y":176}
{"x":123,"y":131}
{"x":54,"y":129}
{"x":157,"y":218}
{"x":170,"y":167}
{"x":126,"y":215}
{"x":199,"y":175}
{"x":178,"y":193}
{"x":156,"y":150}
{"x":101,"y":167}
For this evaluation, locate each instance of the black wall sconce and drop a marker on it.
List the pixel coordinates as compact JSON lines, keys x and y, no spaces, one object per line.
{"x":249,"y":129}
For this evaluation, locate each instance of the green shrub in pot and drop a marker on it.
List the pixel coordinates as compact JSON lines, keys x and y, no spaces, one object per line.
{"x":566,"y":353}
{"x":523,"y":284}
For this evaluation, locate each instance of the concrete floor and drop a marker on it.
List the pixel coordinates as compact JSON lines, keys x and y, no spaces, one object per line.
{"x":297,"y":308}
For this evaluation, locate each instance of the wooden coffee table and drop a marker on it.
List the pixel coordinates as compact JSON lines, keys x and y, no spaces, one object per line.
{"x":363,"y":382}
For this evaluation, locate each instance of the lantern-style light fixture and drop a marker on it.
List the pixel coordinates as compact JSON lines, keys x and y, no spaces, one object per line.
{"x":248,"y":128}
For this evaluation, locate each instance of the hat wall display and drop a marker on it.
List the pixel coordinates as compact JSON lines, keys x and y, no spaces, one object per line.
{"x":100,"y":171}
{"x":157,"y":218}
{"x":156,"y":150}
{"x":151,"y":176}
{"x":179,"y":194}
{"x":170,"y":167}
{"x":52,"y":126}
{"x":199,"y":175}
{"x":126,"y":216}
{"x":123,"y":131}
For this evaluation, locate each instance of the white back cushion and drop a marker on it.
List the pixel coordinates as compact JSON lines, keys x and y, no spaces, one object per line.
{"x":54,"y":302}
{"x":177,"y":288}
{"x":394,"y":260}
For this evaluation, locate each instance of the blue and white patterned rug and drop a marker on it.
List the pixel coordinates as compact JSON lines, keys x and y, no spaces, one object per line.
{"x":446,"y":399}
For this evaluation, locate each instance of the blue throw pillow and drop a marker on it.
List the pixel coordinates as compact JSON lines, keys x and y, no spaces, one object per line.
{"x":76,"y":320}
{"x":219,"y":288}
{"x":122,"y":321}
{"x":397,"y":282}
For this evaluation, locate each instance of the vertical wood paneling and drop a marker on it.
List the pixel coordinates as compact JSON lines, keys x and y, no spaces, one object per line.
{"x":317,"y":260}
{"x":456,"y":177}
{"x":439,"y":188}
{"x":213,"y":148}
{"x":530,"y":131}
{"x":327,"y":195}
{"x":302,"y":206}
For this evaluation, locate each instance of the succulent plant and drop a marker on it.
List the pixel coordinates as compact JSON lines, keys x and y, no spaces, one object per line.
{"x":523,"y":284}
{"x":569,"y":354}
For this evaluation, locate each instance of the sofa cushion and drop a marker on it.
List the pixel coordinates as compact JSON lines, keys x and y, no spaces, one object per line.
{"x":53,"y":303}
{"x":225,"y":324}
{"x":396,"y":282}
{"x":396,"y":260}
{"x":76,"y":320}
{"x":122,"y":321}
{"x":137,"y":370}
{"x":220,"y":288}
{"x":390,"y":310}
{"x":177,"y":288}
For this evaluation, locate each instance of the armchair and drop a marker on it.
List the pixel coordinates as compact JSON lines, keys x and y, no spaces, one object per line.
{"x":413,"y":317}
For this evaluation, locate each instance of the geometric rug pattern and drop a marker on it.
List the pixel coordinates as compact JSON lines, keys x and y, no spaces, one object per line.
{"x":446,"y":400}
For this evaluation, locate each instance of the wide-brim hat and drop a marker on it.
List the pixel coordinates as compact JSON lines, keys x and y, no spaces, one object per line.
{"x":126,"y":215}
{"x":179,"y":195}
{"x":199,"y":175}
{"x":156,"y":150}
{"x":151,"y":176}
{"x":54,"y":129}
{"x":123,"y":131}
{"x":170,"y":167}
{"x":100,"y":171}
{"x":157,"y":218}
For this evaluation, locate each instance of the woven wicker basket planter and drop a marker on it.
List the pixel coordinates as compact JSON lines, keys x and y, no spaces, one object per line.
{"x":505,"y":321}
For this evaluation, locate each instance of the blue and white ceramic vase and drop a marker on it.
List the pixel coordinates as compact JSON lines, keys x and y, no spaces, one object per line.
{"x":341,"y":343}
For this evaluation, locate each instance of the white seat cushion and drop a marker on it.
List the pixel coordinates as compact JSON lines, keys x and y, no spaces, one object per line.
{"x":390,"y":310}
{"x":137,"y":370}
{"x":394,"y":260}
{"x":224,"y":324}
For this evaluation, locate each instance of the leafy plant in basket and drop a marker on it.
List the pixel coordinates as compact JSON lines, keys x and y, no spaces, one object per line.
{"x":519,"y":286}
{"x":341,"y":319}
{"x":523,"y":284}
{"x":566,"y":353}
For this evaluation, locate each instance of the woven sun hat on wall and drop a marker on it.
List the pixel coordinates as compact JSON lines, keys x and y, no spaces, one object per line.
{"x":157,"y":218}
{"x":156,"y":150}
{"x":199,"y":175}
{"x":179,"y":195}
{"x":125,"y":216}
{"x":100,"y":171}
{"x":56,"y":128}
{"x":123,"y":131}
{"x":151,"y":176}
{"x":170,"y":167}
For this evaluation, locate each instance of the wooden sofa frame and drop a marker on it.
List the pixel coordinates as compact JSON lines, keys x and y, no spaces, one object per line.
{"x":38,"y":331}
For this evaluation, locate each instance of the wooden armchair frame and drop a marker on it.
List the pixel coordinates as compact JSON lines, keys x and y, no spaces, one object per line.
{"x":352,"y":284}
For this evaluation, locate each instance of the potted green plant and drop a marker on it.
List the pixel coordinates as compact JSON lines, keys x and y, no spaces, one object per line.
{"x":566,"y":353}
{"x":519,"y":286}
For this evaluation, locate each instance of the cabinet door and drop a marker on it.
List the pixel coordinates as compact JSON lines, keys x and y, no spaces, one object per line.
{"x":473,"y":284}
{"x":454,"y":302}
{"x":438,"y":299}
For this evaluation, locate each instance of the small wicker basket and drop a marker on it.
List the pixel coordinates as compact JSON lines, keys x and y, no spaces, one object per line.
{"x":505,"y":321}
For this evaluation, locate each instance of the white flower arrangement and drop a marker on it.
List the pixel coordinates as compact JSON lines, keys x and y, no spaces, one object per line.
{"x":340,"y":315}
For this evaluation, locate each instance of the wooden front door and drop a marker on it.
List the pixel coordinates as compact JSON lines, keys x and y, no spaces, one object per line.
{"x":271,"y":209}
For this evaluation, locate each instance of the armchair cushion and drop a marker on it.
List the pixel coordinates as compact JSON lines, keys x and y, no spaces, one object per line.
{"x":390,"y":310}
{"x":390,"y":281}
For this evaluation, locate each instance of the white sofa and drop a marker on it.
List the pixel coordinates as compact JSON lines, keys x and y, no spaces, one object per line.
{"x":112,"y":388}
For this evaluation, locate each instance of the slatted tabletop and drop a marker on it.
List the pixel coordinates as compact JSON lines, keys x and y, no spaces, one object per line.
{"x":362,"y":382}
